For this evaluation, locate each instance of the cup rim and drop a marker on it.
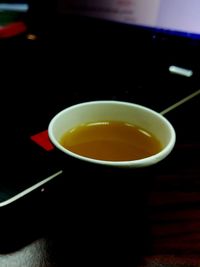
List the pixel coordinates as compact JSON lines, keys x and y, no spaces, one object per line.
{"x":144,"y":162}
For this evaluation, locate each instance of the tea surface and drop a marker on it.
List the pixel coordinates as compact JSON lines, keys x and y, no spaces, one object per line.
{"x":111,"y":141}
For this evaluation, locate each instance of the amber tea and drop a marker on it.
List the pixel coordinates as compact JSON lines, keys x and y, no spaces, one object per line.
{"x":111,"y":141}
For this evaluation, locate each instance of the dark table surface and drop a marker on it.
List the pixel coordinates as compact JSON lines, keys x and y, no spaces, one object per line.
{"x":42,"y":76}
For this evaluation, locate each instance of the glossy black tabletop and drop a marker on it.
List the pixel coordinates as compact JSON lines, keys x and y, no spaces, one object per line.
{"x":61,"y":222}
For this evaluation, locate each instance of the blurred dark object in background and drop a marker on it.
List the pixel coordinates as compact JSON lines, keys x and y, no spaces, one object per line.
{"x":41,"y":16}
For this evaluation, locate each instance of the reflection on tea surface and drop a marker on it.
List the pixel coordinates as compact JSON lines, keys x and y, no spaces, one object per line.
{"x":111,"y":141}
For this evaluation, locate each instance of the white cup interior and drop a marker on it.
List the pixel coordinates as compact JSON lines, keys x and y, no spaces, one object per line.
{"x":95,"y":111}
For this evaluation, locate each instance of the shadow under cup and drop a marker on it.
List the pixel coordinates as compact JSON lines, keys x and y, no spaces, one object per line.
{"x":108,"y":200}
{"x":109,"y":215}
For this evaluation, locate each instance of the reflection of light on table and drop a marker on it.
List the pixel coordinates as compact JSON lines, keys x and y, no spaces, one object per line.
{"x":31,"y":37}
{"x":33,"y":255}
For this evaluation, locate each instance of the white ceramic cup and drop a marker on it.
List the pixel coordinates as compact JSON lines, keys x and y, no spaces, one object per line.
{"x":107,"y":110}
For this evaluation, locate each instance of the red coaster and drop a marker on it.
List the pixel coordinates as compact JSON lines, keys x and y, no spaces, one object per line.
{"x":42,"y":139}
